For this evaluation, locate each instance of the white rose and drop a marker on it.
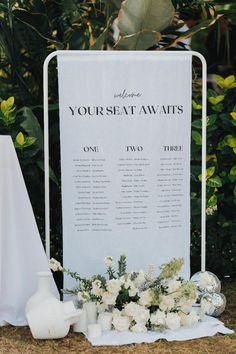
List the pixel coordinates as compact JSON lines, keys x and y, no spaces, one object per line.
{"x":108,"y":298}
{"x":166,"y":303}
{"x":172,"y":321}
{"x":108,"y":260}
{"x":132,"y":291}
{"x":139,"y":328}
{"x":113,"y":286}
{"x":96,"y":288}
{"x":158,"y":318}
{"x":190,"y":319}
{"x":140,"y":279}
{"x":131,"y":309}
{"x":121,"y":323}
{"x":185,"y":305}
{"x":173,"y":285}
{"x":145,"y":298}
{"x":142,"y":315}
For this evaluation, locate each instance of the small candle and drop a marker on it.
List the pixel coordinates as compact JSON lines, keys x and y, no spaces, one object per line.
{"x":81,"y":325}
{"x":94,"y":330}
{"x":91,"y":312}
{"x":105,"y":320}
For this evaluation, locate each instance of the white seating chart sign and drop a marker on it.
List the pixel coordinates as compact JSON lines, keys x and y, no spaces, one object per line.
{"x":125,"y":126}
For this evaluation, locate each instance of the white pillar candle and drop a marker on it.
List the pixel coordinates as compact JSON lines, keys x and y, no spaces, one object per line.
{"x":81,"y":325}
{"x":94,"y":330}
{"x":91,"y":312}
{"x":105,"y":320}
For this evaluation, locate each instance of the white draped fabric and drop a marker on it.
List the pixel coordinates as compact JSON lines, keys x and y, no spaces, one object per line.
{"x":209,"y":326}
{"x":21,"y":250}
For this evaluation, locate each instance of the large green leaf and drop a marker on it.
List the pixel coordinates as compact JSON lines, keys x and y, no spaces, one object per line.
{"x":98,"y":44}
{"x":139,"y":41}
{"x":138,"y":17}
{"x":214,"y":182}
{"x":31,"y":125}
{"x":188,"y":34}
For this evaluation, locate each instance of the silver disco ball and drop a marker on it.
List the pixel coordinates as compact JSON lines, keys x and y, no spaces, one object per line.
{"x":213,"y":304}
{"x":206,"y":282}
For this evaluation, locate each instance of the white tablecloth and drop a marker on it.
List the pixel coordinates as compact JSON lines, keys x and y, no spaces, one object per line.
{"x":209,"y":326}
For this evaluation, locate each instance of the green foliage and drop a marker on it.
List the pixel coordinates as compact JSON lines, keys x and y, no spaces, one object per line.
{"x":122,"y":266}
{"x":220,"y":176}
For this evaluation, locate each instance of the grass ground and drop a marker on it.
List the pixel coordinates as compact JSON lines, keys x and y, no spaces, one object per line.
{"x":14,"y":340}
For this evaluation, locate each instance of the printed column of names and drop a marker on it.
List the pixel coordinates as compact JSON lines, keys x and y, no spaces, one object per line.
{"x":91,"y":201}
{"x":132,"y":206}
{"x":170,"y":180}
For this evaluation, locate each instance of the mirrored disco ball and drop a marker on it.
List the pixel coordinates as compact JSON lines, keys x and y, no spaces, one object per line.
{"x":213,"y":304}
{"x":206,"y":282}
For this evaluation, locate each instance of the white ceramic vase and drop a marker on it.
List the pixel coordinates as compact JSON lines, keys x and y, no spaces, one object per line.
{"x":43,"y":292}
{"x":51,"y":319}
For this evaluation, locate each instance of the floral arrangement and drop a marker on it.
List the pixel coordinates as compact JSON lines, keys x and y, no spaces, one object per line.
{"x":139,"y":301}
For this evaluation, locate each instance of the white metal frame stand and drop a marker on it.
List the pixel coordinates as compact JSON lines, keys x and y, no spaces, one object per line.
{"x":204,"y":125}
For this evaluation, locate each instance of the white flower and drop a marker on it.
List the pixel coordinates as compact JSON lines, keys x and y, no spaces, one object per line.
{"x":128,"y":283}
{"x":185,"y":305}
{"x":120,"y":323}
{"x":108,"y":298}
{"x":167,"y":303}
{"x":190,"y":319}
{"x":131,"y":309}
{"x":206,"y":279}
{"x":96,"y":288}
{"x":158,"y":318}
{"x":108,"y":260}
{"x":139,"y":328}
{"x":211,"y":210}
{"x":140,"y":279}
{"x":55,"y":265}
{"x":142,"y":315}
{"x":172,"y":321}
{"x":145,"y":298}
{"x":113,"y":286}
{"x":173,"y":285}
{"x":132,"y":291}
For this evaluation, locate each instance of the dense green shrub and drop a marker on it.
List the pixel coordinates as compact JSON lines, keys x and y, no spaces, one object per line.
{"x":221,"y":177}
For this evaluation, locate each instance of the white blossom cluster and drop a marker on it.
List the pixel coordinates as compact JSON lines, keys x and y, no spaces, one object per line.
{"x":211,"y":210}
{"x":171,"y":300}
{"x":55,"y":265}
{"x":140,"y":301}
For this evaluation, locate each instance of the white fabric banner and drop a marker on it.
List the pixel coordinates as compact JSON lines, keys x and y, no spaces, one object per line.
{"x":21,"y":250}
{"x":125,"y":126}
